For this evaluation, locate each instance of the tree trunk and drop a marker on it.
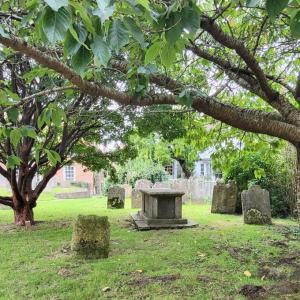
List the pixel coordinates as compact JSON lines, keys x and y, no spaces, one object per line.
{"x":23,"y":215}
{"x":298,"y":184}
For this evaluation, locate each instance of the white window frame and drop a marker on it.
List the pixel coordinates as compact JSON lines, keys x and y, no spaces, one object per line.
{"x":65,"y":173}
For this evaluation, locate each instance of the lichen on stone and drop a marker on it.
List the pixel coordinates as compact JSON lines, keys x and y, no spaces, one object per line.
{"x":254,"y":216}
{"x":91,"y":236}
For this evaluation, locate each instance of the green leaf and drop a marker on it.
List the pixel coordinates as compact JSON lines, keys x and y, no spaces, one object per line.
{"x":15,"y":136}
{"x":81,"y":60}
{"x":184,"y":98}
{"x":259,"y":173}
{"x":274,"y":7}
{"x":53,"y":157}
{"x":135,"y":31}
{"x":190,"y":19}
{"x":75,"y":38}
{"x":168,"y":55}
{"x":56,"y":4}
{"x":84,"y":16}
{"x":13,"y":161}
{"x":28,"y":131}
{"x":117,"y":35}
{"x":101,"y":51}
{"x":13,"y":114}
{"x":174,"y":28}
{"x":104,"y":10}
{"x":152,"y":52}
{"x":295,"y":25}
{"x":56,"y":24}
{"x":144,"y":3}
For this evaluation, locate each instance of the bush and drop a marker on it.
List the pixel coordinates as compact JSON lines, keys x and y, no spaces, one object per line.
{"x":274,"y":174}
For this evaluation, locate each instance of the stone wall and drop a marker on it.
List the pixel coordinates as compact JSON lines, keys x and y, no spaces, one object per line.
{"x":73,"y":195}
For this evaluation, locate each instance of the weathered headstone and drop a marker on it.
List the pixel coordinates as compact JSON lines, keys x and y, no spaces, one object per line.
{"x":116,"y":197}
{"x":91,"y":236}
{"x":256,"y":206}
{"x":224,"y":197}
{"x":143,"y":184}
{"x":128,"y":190}
{"x":136,"y":195}
{"x":182,"y":184}
{"x":161,"y":185}
{"x":197,"y":190}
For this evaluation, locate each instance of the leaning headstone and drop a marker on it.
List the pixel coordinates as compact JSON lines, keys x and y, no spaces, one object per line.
{"x":136,"y":195}
{"x":224,"y":197}
{"x":182,"y":184}
{"x":256,"y":206}
{"x":161,"y":185}
{"x":128,"y":190}
{"x":115,"y":197}
{"x":91,"y":236}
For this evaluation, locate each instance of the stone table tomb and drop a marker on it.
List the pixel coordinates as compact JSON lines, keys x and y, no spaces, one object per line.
{"x":161,"y":208}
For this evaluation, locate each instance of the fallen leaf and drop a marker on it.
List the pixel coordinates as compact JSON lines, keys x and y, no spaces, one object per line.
{"x":139,"y":271}
{"x":247,"y":273}
{"x":106,"y":289}
{"x":201,"y":254}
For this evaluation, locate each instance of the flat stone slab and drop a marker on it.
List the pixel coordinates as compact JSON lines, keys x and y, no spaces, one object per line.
{"x":141,"y":224}
{"x":162,"y":191}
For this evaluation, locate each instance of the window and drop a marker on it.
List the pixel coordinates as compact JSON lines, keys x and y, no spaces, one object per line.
{"x":202,"y":169}
{"x":69,"y":173}
{"x":169,"y":169}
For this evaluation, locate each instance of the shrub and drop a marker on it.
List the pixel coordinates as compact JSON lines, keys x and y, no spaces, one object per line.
{"x":273,"y":173}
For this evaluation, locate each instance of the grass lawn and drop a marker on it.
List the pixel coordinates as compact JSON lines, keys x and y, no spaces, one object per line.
{"x":207,"y":262}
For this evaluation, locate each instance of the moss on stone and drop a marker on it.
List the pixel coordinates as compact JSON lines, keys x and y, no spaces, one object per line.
{"x":254,"y":216}
{"x":91,"y":236}
{"x":115,"y":203}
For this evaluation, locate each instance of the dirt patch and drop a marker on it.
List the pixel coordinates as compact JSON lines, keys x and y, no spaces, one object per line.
{"x":271,"y":273}
{"x":205,"y":279}
{"x":64,"y":272}
{"x":290,"y":259}
{"x":285,"y":288}
{"x":154,"y":279}
{"x":253,"y":291}
{"x":283,"y":244}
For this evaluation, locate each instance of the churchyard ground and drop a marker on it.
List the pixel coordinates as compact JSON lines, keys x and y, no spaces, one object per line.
{"x":212,"y":261}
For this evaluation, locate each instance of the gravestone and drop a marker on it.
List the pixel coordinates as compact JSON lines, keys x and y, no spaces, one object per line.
{"x":224,"y":197}
{"x":136,"y":195}
{"x":256,"y":206}
{"x":91,"y":236}
{"x":197,"y":190}
{"x":161,"y":208}
{"x":161,"y":185}
{"x":115,"y":197}
{"x":128,"y":190}
{"x":182,"y":184}
{"x":143,"y":184}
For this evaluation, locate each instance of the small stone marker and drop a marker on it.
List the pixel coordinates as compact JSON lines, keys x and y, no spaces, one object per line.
{"x":136,"y":195}
{"x":256,"y":206}
{"x":115,"y":197}
{"x":91,"y":236}
{"x":161,"y":208}
{"x":224,"y":197}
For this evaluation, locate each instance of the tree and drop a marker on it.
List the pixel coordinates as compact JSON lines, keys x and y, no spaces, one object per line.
{"x":236,"y":61}
{"x":38,"y":133}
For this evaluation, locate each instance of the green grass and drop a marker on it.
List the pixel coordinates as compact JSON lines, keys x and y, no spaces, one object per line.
{"x":36,"y":263}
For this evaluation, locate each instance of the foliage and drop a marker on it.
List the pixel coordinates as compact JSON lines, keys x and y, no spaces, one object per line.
{"x":272,"y":171}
